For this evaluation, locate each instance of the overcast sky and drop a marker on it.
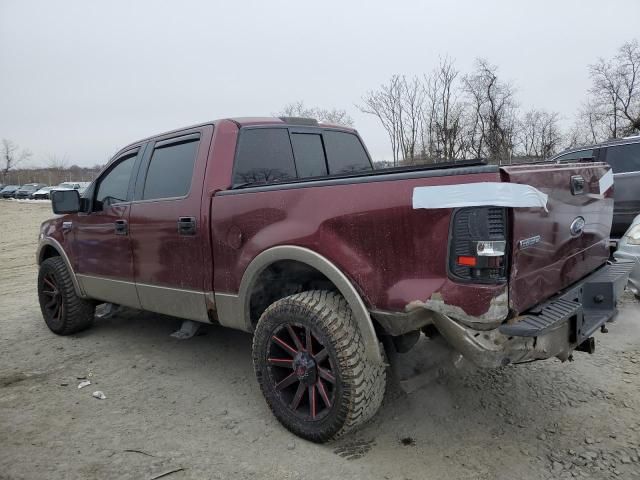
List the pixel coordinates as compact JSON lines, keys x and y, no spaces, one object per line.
{"x":82,"y":78}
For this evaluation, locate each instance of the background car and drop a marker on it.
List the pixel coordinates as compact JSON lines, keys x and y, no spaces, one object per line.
{"x":629,"y":249}
{"x":623,"y":155}
{"x":27,"y":189}
{"x":80,"y":186}
{"x":83,"y":187}
{"x":9,"y":191}
{"x":42,"y":194}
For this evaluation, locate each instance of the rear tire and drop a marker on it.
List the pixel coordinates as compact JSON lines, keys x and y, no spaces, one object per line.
{"x":310,"y":362}
{"x":63,"y":311}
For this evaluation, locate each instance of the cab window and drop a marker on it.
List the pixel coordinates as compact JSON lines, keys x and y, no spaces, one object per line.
{"x":578,"y":155}
{"x":624,"y":158}
{"x":170,"y":171}
{"x":113,"y":187}
{"x":345,"y":153}
{"x":264,"y":155}
{"x":309,"y":155}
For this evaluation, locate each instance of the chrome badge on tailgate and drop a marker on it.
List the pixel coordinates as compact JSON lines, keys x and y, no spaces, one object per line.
{"x":529,"y":242}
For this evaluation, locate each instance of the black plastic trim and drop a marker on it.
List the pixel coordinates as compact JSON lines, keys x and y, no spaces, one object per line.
{"x":372,"y":177}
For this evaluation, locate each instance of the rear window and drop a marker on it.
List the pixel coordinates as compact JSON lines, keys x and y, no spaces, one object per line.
{"x":345,"y":153}
{"x":170,"y":170}
{"x":309,"y":154}
{"x":264,"y":155}
{"x":624,"y":158}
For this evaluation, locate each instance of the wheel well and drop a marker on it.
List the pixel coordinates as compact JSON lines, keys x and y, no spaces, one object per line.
{"x":281,"y":279}
{"x":47,"y":252}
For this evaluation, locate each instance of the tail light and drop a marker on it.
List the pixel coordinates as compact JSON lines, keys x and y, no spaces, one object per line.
{"x":478,"y":242}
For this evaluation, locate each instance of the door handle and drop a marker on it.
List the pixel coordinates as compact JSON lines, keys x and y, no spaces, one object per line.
{"x":122,"y":228}
{"x":187,"y":225}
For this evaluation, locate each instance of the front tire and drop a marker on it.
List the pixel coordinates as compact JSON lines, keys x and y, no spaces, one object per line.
{"x":310,"y":362}
{"x":64,"y":312}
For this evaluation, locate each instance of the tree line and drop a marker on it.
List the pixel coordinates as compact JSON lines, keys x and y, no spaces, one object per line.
{"x":447,"y":115}
{"x":56,"y":171}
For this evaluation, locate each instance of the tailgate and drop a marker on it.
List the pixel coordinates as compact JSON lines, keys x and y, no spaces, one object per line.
{"x":554,"y":249}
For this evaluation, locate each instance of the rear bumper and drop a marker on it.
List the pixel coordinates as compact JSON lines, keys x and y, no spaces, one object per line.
{"x":552,"y":329}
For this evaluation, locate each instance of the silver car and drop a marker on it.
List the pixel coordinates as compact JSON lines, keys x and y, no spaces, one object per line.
{"x":629,"y":249}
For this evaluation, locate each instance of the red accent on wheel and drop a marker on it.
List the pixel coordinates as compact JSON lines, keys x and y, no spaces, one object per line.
{"x":281,"y":362}
{"x":285,"y":345}
{"x":312,"y":375}
{"x":312,"y":394}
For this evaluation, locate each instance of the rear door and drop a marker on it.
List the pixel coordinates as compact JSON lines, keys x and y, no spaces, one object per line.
{"x":555,"y":248}
{"x":625,"y":162}
{"x":168,"y":228}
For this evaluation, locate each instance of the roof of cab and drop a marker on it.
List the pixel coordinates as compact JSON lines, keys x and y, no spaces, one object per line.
{"x":606,"y":143}
{"x":243,"y":122}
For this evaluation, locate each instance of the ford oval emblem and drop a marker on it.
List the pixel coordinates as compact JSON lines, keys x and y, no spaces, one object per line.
{"x":577,"y":226}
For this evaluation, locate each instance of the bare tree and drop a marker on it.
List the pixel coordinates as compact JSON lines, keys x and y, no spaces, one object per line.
{"x":57,"y":163}
{"x":334,"y":115}
{"x":385,"y":103}
{"x":628,"y":59}
{"x":493,"y":113}
{"x":12,"y":155}
{"x":444,"y":113}
{"x":614,"y":104}
{"x":398,"y":105}
{"x":587,"y":128}
{"x":539,"y":134}
{"x":410,"y":118}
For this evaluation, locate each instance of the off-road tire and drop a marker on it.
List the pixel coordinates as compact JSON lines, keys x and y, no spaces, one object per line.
{"x":359,"y":383}
{"x":77,"y":314}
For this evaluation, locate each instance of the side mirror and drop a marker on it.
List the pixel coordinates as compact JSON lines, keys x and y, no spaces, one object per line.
{"x":65,"y":201}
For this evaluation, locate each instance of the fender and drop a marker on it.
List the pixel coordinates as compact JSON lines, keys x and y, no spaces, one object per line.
{"x":234,"y":311}
{"x":48,"y":241}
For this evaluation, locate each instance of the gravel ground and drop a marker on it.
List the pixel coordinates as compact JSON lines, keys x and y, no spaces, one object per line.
{"x":194,"y":407}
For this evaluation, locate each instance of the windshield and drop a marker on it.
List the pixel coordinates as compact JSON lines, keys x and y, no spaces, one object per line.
{"x":29,"y":187}
{"x":10,"y":187}
{"x":66,"y":185}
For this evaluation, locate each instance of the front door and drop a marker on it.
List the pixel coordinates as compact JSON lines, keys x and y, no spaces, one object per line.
{"x":168,"y":233}
{"x":101,"y":247}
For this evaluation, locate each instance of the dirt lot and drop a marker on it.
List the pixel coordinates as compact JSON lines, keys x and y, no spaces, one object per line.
{"x":194,"y":405}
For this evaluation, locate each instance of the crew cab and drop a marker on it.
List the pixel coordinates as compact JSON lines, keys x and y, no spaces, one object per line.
{"x":282,"y":227}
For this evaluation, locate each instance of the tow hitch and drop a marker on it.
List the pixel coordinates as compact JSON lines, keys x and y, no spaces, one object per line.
{"x":589,"y":346}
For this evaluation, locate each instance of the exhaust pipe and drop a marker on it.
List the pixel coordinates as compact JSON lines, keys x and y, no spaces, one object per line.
{"x":589,"y":346}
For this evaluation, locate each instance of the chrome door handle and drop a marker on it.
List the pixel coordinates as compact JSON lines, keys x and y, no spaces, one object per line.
{"x":187,"y":225}
{"x":121,"y":227}
{"x":67,"y":226}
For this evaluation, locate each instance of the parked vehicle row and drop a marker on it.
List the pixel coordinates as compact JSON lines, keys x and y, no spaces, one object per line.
{"x":39,"y":191}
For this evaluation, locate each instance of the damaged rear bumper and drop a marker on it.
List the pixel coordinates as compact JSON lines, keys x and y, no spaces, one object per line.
{"x":553,"y":328}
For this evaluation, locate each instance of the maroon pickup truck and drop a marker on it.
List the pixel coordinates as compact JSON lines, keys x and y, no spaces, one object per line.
{"x":282,"y":228}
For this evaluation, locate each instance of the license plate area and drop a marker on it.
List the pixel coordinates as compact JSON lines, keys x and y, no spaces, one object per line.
{"x":586,"y":306}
